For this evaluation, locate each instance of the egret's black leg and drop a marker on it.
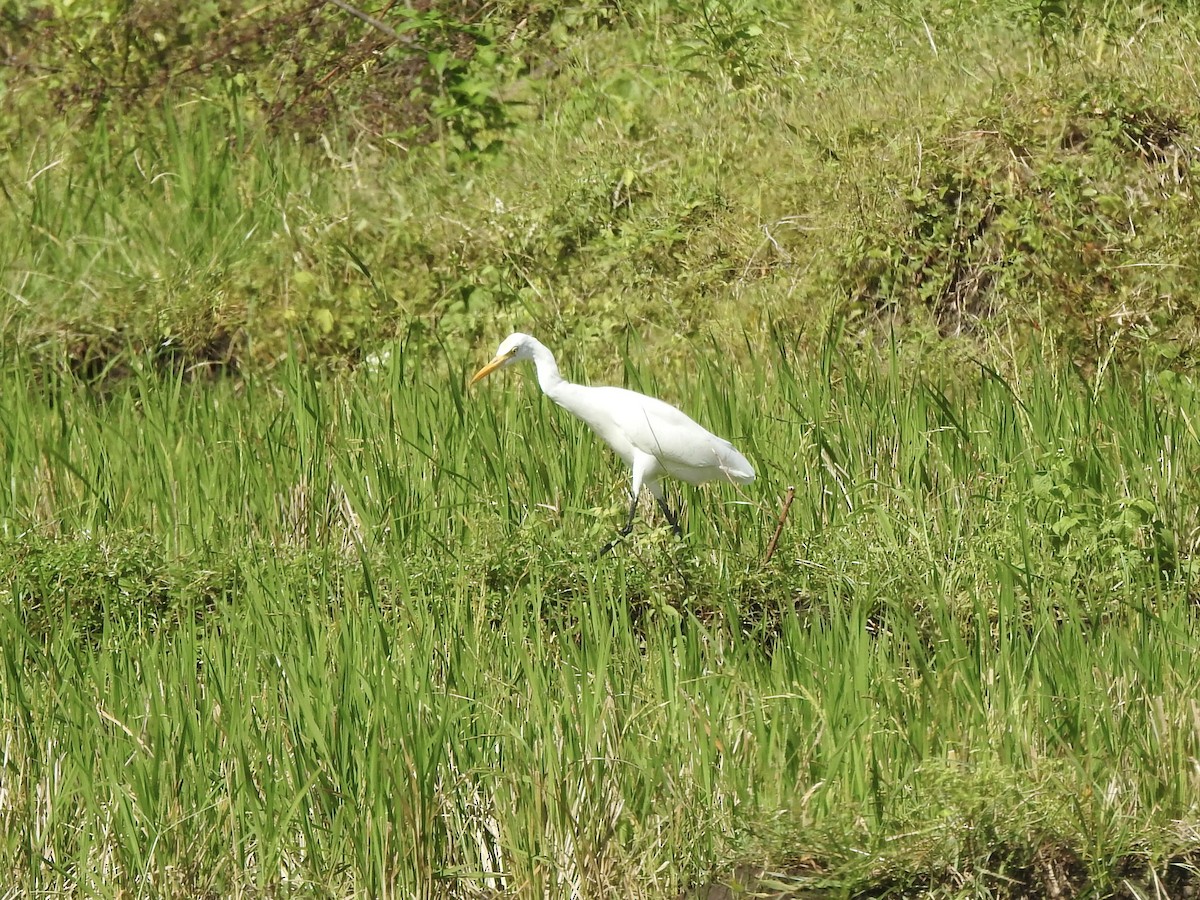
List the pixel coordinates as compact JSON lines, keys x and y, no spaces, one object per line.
{"x":671,"y":517}
{"x":624,"y":531}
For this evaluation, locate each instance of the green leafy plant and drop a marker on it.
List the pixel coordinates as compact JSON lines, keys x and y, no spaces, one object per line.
{"x":724,"y":36}
{"x":1090,"y":531}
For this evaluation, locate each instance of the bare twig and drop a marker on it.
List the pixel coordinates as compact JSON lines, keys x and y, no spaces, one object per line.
{"x":787,"y":504}
{"x":374,"y":22}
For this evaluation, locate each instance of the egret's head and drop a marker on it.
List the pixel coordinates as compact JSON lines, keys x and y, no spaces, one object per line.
{"x":514,"y":347}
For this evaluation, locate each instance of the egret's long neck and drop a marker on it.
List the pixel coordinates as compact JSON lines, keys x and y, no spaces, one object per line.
{"x":553,"y":384}
{"x":571,"y":397}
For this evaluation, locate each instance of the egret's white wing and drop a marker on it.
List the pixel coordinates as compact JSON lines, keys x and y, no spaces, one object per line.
{"x":682,"y":446}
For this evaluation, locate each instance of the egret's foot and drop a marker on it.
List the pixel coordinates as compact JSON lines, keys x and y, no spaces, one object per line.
{"x":624,"y":532}
{"x":671,"y":517}
{"x":621,"y":535}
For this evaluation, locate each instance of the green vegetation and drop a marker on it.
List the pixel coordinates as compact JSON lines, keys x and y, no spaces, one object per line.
{"x":968,"y":169}
{"x":347,"y":634}
{"x":288,"y":611}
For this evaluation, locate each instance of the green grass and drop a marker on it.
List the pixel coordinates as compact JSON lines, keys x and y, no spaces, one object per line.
{"x":326,"y":635}
{"x":975,"y":170}
{"x":287,"y":610}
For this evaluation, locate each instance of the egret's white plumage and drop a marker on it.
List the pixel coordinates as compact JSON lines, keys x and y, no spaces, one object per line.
{"x":654,"y":438}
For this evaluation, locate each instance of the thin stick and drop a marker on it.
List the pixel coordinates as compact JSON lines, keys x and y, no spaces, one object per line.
{"x":374,"y":23}
{"x":787,"y":504}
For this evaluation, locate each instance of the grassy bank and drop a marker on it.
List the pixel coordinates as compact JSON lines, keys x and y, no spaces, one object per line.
{"x":963,"y":171}
{"x":336,"y":635}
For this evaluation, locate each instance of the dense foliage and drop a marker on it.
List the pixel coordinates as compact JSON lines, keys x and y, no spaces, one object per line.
{"x":219,"y":183}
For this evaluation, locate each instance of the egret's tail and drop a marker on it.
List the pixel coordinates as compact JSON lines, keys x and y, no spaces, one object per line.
{"x":736,"y":467}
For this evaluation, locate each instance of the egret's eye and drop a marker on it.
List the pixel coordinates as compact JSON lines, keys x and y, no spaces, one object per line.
{"x":512,"y":352}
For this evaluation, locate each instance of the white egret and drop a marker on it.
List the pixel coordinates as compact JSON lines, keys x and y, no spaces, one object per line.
{"x":654,"y":438}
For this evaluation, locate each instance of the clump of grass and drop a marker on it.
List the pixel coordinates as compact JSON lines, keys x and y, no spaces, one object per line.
{"x":79,"y":584}
{"x":415,"y":676}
